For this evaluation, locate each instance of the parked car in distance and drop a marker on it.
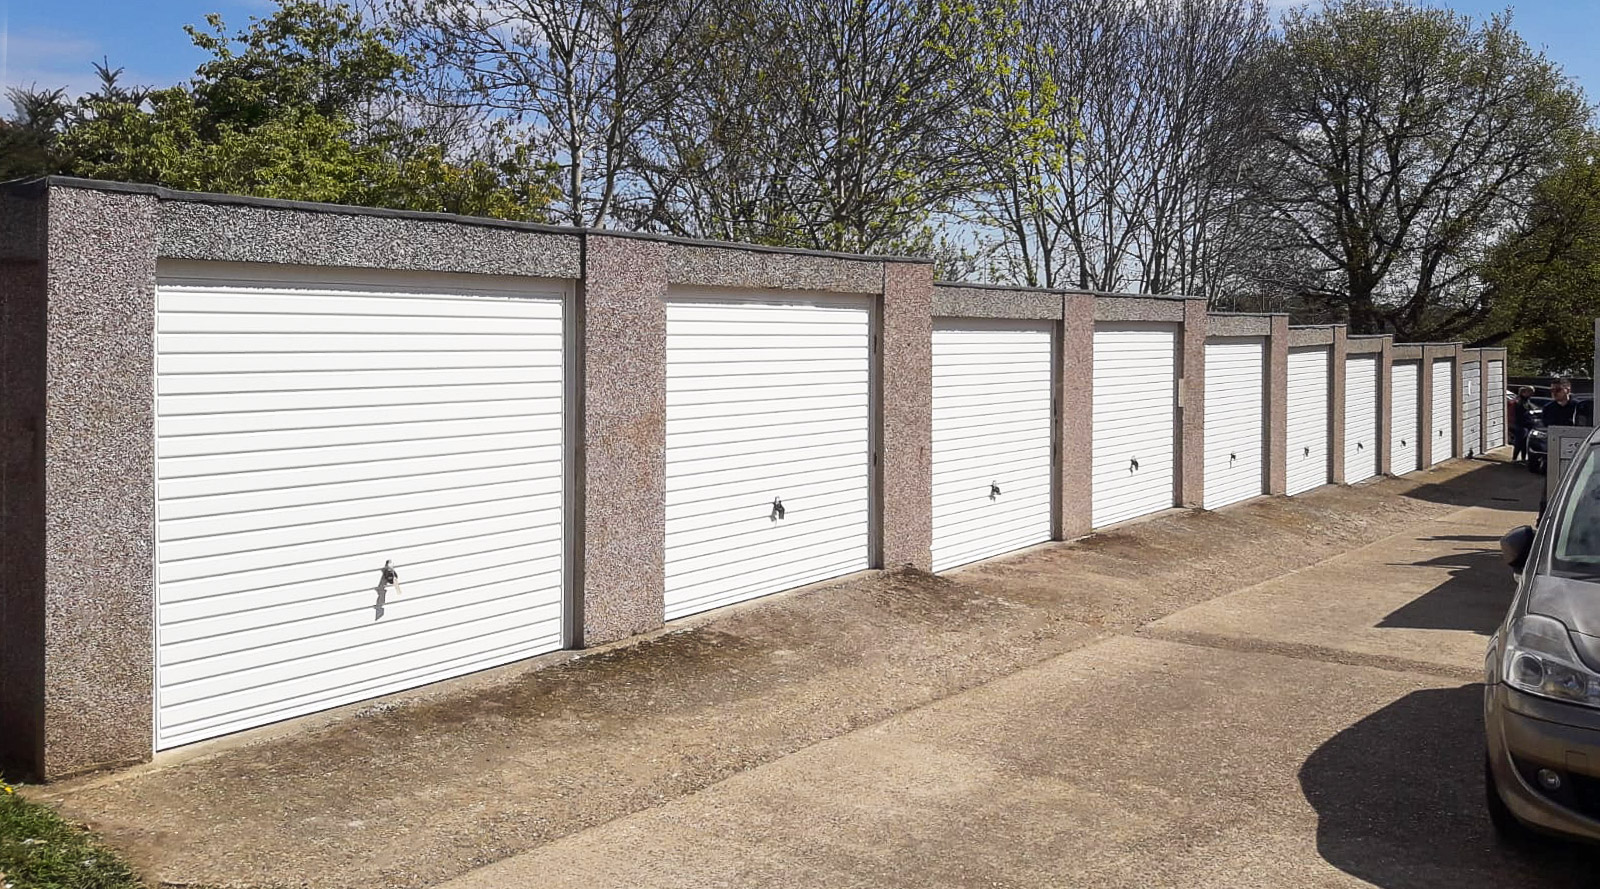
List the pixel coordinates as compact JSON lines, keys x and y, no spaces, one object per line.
{"x":1538,"y":444}
{"x":1542,"y":671}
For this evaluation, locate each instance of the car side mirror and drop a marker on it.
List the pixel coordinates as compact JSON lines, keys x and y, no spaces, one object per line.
{"x":1515,"y":546}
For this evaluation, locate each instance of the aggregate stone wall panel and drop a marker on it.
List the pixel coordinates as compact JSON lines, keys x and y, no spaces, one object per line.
{"x":98,"y":478}
{"x":1163,"y":309}
{"x":1238,"y":325}
{"x":1313,"y":336}
{"x":958,"y":301}
{"x":705,"y":265}
{"x":1367,"y":344}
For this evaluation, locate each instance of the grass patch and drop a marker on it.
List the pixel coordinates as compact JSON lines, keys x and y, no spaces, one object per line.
{"x":41,"y":850}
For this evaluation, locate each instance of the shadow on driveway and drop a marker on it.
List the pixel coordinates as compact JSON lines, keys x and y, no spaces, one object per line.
{"x":1473,"y":598}
{"x":1492,"y":483}
{"x":1399,"y":800}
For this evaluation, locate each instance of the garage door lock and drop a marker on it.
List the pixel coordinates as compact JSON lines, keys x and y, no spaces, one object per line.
{"x":778,"y":511}
{"x":994,"y":490}
{"x":1133,"y":465}
{"x":389,"y":577}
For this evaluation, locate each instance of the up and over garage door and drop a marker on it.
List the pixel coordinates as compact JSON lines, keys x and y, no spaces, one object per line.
{"x":1360,"y":419}
{"x":313,"y":430}
{"x":1441,"y":430}
{"x":768,"y":444}
{"x":1494,"y":428}
{"x":1472,"y":408}
{"x":1307,"y":421}
{"x":1235,"y":419}
{"x":993,"y":402}
{"x":1405,"y":422}
{"x":1133,"y":446}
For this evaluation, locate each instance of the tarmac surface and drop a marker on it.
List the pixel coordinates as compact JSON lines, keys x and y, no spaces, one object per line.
{"x":1281,"y":693}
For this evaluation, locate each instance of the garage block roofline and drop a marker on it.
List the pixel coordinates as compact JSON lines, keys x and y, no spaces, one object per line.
{"x":650,"y":480}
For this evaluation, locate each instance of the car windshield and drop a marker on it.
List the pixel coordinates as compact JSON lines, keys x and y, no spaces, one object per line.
{"x":1577,"y":546}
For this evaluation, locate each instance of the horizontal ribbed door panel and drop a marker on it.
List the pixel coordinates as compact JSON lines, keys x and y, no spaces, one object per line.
{"x":1134,"y":421}
{"x":1405,"y":423}
{"x":992,"y":438}
{"x":1443,"y":407}
{"x":306,"y":435}
{"x":1307,"y":433}
{"x":1360,"y":419}
{"x":1235,"y":419}
{"x":768,"y":415}
{"x":1472,"y":408}
{"x":1495,"y":428}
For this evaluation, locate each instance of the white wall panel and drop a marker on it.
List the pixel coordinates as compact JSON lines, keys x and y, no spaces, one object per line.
{"x":1472,"y":408}
{"x":1134,"y":438}
{"x":1361,"y":425}
{"x":1308,"y":421}
{"x":1405,"y":425}
{"x":1495,"y":427}
{"x":308,"y":432}
{"x":1235,"y":424}
{"x":767,"y":404}
{"x":993,"y":408}
{"x":1441,"y":429}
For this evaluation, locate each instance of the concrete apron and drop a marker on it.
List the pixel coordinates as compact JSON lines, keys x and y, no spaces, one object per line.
{"x":985,"y":729}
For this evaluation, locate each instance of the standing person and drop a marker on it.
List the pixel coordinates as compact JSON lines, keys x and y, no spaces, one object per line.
{"x":1521,"y":423}
{"x":1562,"y":410}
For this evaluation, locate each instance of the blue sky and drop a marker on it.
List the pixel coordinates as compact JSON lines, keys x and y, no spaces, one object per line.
{"x":54,"y":42}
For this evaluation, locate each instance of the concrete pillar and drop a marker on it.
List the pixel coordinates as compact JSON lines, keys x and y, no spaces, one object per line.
{"x":1425,"y":408}
{"x":620,"y":492}
{"x":1385,"y":436}
{"x":79,"y":501}
{"x":905,"y":399}
{"x":1192,"y":406}
{"x":1278,"y":405}
{"x":1491,"y":400}
{"x":1075,"y":417}
{"x":1337,"y":353}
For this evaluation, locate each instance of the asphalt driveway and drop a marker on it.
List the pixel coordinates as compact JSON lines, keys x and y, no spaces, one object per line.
{"x":1279,"y":694}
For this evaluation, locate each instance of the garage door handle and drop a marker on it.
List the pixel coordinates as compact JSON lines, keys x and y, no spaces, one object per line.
{"x":1402,"y":442}
{"x":777,"y":509}
{"x":1232,"y":457}
{"x":1133,"y":465}
{"x":1360,"y":446}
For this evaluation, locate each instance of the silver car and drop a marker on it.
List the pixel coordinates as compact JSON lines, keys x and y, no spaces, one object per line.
{"x":1541,"y":702}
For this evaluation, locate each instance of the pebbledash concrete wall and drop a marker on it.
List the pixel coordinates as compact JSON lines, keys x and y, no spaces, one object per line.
{"x":78,"y":271}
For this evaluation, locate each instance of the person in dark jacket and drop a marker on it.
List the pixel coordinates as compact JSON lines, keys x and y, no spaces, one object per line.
{"x":1562,"y":410}
{"x":1522,"y":423}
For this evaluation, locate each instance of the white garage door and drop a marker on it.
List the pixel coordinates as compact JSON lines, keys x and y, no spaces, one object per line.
{"x":1134,"y":447}
{"x":768,"y":457}
{"x":1360,"y":419}
{"x":1235,"y":419}
{"x":1472,"y":408}
{"x":1307,"y":434}
{"x":308,"y":433}
{"x":1444,"y":405}
{"x":1494,"y":430}
{"x":1406,"y":423}
{"x":992,"y":438}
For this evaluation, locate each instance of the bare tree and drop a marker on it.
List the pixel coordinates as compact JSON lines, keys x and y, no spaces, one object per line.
{"x":582,"y":77}
{"x":834,"y":125}
{"x":1399,"y":142}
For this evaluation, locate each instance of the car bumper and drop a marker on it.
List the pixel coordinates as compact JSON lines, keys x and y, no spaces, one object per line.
{"x":1527,"y":734}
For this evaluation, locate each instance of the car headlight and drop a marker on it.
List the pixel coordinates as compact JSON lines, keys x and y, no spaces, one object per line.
{"x":1540,"y":660}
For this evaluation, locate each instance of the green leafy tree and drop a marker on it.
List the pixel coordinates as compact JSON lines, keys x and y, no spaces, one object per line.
{"x":301,"y":106}
{"x":1399,"y":141}
{"x":1545,"y":275}
{"x":28,"y":139}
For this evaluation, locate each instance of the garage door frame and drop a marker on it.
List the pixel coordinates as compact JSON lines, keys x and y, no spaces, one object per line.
{"x":1051,"y":331}
{"x":1261,"y":346}
{"x":562,"y":292}
{"x":872,"y":305}
{"x":1101,"y":513}
{"x":1295,"y":455}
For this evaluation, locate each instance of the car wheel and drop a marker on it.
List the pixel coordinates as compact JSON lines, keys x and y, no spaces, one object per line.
{"x":1506,"y":825}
